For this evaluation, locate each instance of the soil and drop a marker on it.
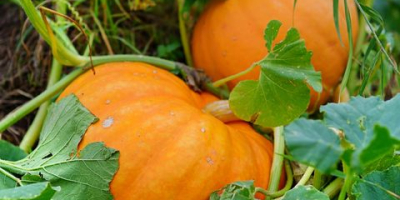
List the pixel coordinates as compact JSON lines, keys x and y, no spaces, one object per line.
{"x":23,"y":67}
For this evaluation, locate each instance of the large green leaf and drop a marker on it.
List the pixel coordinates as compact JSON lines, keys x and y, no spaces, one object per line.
{"x":281,"y":94}
{"x":37,"y":191}
{"x":303,"y":135}
{"x":382,"y":185}
{"x":305,"y":193}
{"x":371,"y":125}
{"x":83,"y":175}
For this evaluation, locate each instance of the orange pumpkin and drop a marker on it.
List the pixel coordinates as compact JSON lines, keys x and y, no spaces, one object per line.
{"x":228,"y":37}
{"x":169,"y":147}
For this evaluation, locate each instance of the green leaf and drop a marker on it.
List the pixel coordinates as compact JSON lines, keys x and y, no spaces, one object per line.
{"x":37,"y":191}
{"x":243,"y":190}
{"x":305,"y":192}
{"x":84,"y":175}
{"x":336,"y":18}
{"x":373,"y":14}
{"x":371,"y":125}
{"x":319,"y":138}
{"x":385,"y":163}
{"x":281,"y":94}
{"x":382,"y":185}
{"x":271,"y":32}
{"x":10,"y":152}
{"x":370,"y":130}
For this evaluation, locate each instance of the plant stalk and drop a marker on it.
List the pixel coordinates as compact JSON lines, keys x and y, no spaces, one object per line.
{"x":333,"y":188}
{"x":33,"y":132}
{"x":21,"y":112}
{"x":288,"y":185}
{"x":184,"y":34}
{"x":306,"y":176}
{"x":348,"y":181}
{"x":317,"y":181}
{"x":69,"y":58}
{"x":235,"y":76}
{"x":277,"y":162}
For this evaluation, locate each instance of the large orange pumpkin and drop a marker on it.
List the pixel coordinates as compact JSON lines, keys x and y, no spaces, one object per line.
{"x":228,"y":37}
{"x":169,"y":147}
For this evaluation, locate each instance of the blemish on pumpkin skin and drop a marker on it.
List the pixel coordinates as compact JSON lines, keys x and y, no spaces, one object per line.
{"x":154,"y":71}
{"x":172,"y":113}
{"x":209,"y":161}
{"x":108,"y":122}
{"x":108,"y":102}
{"x":203,"y":130}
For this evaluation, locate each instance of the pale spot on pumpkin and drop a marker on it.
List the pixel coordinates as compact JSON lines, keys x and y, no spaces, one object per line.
{"x":172,"y":113}
{"x":108,"y":101}
{"x":108,"y":122}
{"x":203,"y":130}
{"x":154,"y":71}
{"x":209,"y":161}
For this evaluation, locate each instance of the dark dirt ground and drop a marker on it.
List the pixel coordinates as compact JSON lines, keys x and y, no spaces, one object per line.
{"x":23,"y":68}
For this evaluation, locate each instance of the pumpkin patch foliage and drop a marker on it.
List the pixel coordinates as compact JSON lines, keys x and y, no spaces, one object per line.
{"x":203,"y":99}
{"x":286,"y":73}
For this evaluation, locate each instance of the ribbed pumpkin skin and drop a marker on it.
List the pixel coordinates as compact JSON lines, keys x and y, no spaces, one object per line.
{"x":228,"y":37}
{"x":169,"y":148}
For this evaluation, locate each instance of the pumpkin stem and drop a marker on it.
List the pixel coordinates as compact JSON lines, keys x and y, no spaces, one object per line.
{"x":221,"y":110}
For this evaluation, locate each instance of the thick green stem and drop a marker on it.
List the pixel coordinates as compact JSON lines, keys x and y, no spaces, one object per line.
{"x":18,"y":114}
{"x":306,"y":176}
{"x":235,"y":76}
{"x":288,"y":185}
{"x":162,"y":63}
{"x":277,"y":162}
{"x":289,"y":181}
{"x":184,"y":34}
{"x":348,"y":181}
{"x":317,"y":181}
{"x":333,"y":188}
{"x":33,"y":132}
